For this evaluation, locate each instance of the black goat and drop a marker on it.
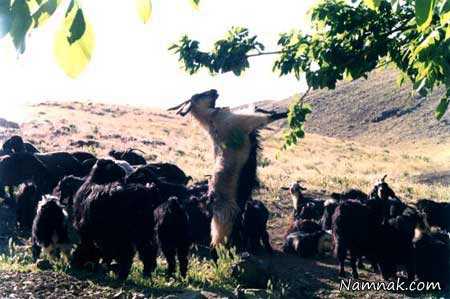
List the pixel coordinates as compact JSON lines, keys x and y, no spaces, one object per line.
{"x":65,"y":191}
{"x":50,"y":229}
{"x":19,"y":168}
{"x":129,"y":155}
{"x":87,"y":165}
{"x":306,"y":238}
{"x":169,"y":172}
{"x":199,"y":189}
{"x":353,"y":226}
{"x":61,"y":164}
{"x":254,"y":227}
{"x":355,"y":194}
{"x":172,"y":227}
{"x":398,"y":232}
{"x":436,"y":213}
{"x":366,"y":229}
{"x":432,"y":258}
{"x":104,"y":172}
{"x":199,"y":220}
{"x":144,"y":175}
{"x":313,"y":210}
{"x":114,"y":221}
{"x":382,"y":190}
{"x":27,"y":200}
{"x":83,"y":156}
{"x":15,"y":144}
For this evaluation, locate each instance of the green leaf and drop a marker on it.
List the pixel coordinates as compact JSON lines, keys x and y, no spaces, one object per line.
{"x":424,"y":13}
{"x":447,"y":33}
{"x":441,"y":108}
{"x":20,"y":24}
{"x":195,"y":3}
{"x":5,"y":17}
{"x":44,"y":12}
{"x":70,"y":8}
{"x":395,"y":5}
{"x":73,"y":57}
{"x":372,"y":4}
{"x":144,"y":8}
{"x":445,"y":12}
{"x":429,"y":41}
{"x":77,"y":28}
{"x":401,"y":79}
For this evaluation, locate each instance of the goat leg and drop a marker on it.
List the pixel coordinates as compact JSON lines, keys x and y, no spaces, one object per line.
{"x":266,"y":242}
{"x":353,"y":264}
{"x":125,"y":261}
{"x":36,"y":251}
{"x":341,"y":251}
{"x":170,"y":255}
{"x":147,"y":254}
{"x":182,"y":254}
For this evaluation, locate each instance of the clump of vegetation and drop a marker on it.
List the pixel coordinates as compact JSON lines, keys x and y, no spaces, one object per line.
{"x":202,"y":274}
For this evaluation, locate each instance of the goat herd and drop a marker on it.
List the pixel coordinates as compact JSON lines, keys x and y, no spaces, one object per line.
{"x":104,"y":210}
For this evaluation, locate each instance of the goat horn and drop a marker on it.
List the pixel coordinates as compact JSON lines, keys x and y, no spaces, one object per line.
{"x":135,"y":150}
{"x":261,"y":110}
{"x":385,"y":176}
{"x":284,"y":188}
{"x":178,"y":106}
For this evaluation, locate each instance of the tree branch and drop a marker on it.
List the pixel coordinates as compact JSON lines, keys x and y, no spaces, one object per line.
{"x":264,"y":53}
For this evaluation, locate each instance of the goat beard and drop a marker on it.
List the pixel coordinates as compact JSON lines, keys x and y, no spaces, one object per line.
{"x":224,"y":215}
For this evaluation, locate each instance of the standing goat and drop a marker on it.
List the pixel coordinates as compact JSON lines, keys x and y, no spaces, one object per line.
{"x":235,"y":140}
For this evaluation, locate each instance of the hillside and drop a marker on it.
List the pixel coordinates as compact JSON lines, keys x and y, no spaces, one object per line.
{"x":374,"y":108}
{"x":340,"y":151}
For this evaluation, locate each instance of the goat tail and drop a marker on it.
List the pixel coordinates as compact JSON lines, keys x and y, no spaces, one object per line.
{"x":222,"y":222}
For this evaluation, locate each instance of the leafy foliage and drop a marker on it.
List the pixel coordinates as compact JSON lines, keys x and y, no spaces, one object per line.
{"x":74,"y":41}
{"x":349,"y":39}
{"x":229,"y":54}
{"x":296,"y":117}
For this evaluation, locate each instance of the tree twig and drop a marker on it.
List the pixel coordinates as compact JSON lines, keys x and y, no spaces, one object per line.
{"x":304,"y":96}
{"x":264,"y":53}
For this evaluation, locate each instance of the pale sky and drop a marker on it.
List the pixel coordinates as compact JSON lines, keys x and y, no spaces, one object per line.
{"x":131,"y":63}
